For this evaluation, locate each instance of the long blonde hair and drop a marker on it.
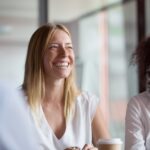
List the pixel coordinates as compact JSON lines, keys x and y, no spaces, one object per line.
{"x":34,"y":82}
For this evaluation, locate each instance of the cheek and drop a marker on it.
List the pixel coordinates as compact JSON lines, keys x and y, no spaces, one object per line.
{"x":47,"y":62}
{"x":49,"y":57}
{"x":73,"y":58}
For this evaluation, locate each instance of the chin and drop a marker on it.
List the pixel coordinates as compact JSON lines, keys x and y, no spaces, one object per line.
{"x":63,"y":76}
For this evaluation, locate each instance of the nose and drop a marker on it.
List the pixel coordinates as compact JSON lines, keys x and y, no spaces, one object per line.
{"x":63,"y":51}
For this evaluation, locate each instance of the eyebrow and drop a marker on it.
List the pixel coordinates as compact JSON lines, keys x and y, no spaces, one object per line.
{"x":68,"y":43}
{"x":60,"y":43}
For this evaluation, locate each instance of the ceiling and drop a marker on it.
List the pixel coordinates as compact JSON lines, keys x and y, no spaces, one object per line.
{"x":60,"y":10}
{"x":65,"y":10}
{"x":19,"y":18}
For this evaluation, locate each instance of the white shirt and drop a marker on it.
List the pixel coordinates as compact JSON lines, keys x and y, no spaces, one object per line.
{"x":138,"y":123}
{"x":78,"y":129}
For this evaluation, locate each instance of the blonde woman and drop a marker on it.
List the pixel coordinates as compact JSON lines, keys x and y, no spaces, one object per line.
{"x":64,"y":117}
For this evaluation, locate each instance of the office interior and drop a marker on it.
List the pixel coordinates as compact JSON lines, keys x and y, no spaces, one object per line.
{"x":104,"y":32}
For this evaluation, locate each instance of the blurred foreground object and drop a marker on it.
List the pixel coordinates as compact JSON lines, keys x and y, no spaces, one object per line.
{"x":16,"y":128}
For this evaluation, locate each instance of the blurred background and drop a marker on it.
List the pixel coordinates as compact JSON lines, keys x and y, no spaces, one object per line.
{"x":104,"y":33}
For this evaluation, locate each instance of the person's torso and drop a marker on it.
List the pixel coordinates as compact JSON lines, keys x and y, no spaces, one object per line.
{"x":78,"y":130}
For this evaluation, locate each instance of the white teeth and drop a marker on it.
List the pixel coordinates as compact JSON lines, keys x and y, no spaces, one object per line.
{"x":61,"y":64}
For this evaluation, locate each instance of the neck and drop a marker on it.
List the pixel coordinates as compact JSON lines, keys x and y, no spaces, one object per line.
{"x":54,"y":91}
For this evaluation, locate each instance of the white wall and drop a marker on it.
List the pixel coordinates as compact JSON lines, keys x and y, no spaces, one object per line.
{"x":12,"y":61}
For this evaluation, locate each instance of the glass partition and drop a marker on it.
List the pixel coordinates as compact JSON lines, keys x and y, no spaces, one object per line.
{"x":122,"y":75}
{"x":106,"y":42}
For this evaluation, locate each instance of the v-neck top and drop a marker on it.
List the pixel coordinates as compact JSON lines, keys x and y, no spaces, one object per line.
{"x":78,"y":130}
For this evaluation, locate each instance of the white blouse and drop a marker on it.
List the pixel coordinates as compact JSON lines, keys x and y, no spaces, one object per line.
{"x":138,"y":123}
{"x":78,"y":129}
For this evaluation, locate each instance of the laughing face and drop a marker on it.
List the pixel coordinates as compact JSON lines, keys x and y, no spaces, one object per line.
{"x":59,"y":56}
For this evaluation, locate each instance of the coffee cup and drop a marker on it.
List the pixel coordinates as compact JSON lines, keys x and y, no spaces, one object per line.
{"x":109,"y":144}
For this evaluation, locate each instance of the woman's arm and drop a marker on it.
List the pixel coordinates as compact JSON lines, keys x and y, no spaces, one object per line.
{"x":134,"y":130}
{"x":99,"y":128}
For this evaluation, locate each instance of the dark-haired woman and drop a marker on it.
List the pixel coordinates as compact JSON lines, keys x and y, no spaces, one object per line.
{"x":138,"y":110}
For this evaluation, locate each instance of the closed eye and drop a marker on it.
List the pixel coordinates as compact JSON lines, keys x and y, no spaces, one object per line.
{"x":53,"y":46}
{"x":70,"y":47}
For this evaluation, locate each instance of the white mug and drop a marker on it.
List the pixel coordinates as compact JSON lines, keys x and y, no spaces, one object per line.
{"x":109,"y":144}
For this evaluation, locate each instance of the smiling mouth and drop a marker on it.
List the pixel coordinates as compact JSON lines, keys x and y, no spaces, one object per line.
{"x":62,"y":65}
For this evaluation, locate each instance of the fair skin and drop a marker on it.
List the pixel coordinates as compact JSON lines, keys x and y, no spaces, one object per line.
{"x":58,"y":64}
{"x":99,"y":129}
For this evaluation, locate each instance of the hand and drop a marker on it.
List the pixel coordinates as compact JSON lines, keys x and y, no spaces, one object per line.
{"x":89,"y":147}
